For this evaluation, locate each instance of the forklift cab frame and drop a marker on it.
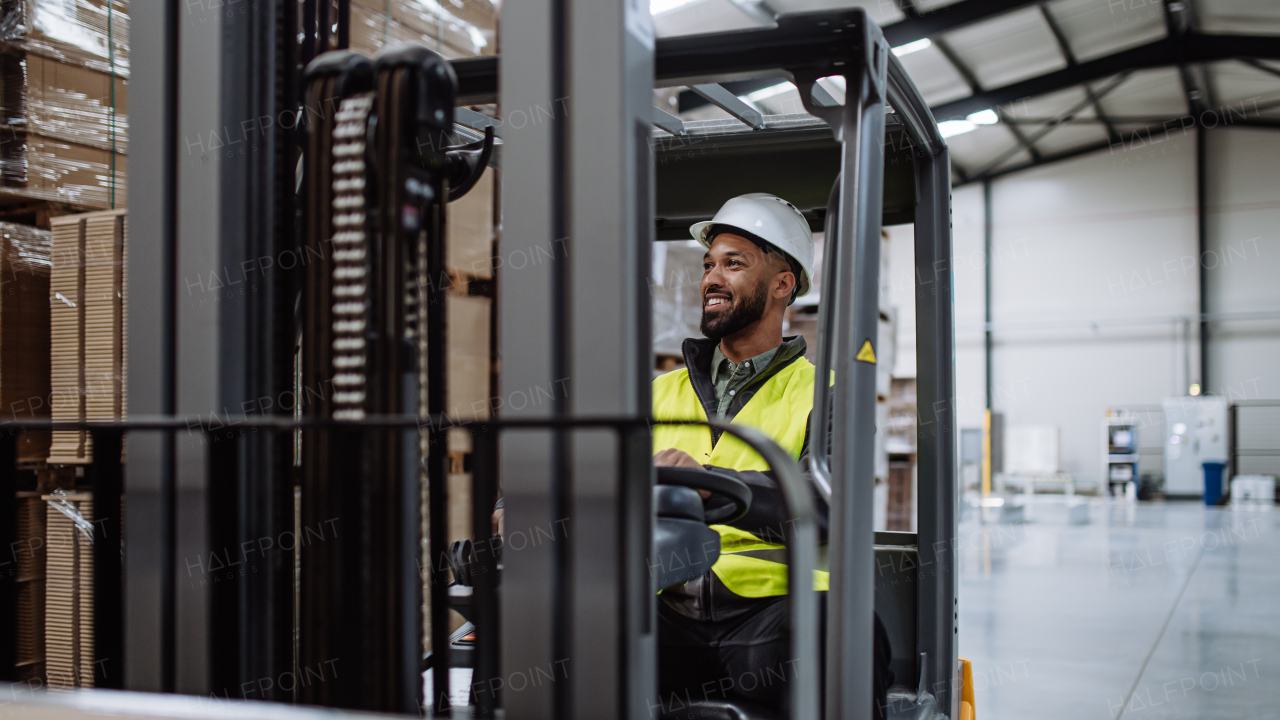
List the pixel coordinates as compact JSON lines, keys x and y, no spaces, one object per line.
{"x":833,"y":164}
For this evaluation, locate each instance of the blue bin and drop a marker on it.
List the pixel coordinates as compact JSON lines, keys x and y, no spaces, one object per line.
{"x":1212,"y":482}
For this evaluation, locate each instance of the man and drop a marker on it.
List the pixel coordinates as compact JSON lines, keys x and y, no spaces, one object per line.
{"x":726,"y":633}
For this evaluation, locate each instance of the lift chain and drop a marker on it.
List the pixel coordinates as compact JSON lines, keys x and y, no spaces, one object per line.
{"x":350,"y":294}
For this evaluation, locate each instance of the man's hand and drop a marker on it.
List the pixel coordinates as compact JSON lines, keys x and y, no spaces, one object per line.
{"x":672,"y":457}
{"x":497,"y":521}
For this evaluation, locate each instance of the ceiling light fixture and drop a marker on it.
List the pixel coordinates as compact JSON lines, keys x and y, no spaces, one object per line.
{"x":950,"y":128}
{"x":984,"y":117}
{"x":915,"y":46}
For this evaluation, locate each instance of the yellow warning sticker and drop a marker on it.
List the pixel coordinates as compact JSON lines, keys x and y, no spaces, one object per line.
{"x":867,"y":354}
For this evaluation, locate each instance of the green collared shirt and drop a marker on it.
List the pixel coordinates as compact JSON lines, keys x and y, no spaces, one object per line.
{"x":729,"y":379}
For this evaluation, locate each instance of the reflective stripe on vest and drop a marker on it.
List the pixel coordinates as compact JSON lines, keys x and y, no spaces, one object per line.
{"x":748,"y":566}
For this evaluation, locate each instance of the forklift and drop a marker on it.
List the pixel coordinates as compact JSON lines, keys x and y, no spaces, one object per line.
{"x":592,"y":175}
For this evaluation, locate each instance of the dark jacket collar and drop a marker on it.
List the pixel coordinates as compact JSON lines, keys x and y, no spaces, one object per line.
{"x":697,"y":357}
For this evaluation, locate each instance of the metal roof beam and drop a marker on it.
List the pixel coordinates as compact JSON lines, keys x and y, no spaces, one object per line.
{"x":758,"y":10}
{"x":970,"y":78}
{"x":1065,"y":47}
{"x":975,"y":87}
{"x":1254,"y":63}
{"x":1149,"y":135}
{"x":989,"y":167}
{"x":907,"y":8}
{"x":1191,"y":48}
{"x":1133,"y":119}
{"x":945,"y":19}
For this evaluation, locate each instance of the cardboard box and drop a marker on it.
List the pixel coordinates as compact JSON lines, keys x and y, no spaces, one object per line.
{"x":24,"y":332}
{"x":68,"y":630}
{"x":29,"y":553}
{"x":45,"y":168}
{"x":68,"y":102}
{"x":469,"y":244}
{"x":88,"y":307}
{"x":469,"y":367}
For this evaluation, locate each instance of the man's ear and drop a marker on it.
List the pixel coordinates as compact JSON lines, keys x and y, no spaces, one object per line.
{"x":782,"y":288}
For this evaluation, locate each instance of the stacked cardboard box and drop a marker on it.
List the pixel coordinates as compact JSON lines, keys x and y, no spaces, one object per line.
{"x":900,"y":441}
{"x":24,"y":395}
{"x":29,"y":551}
{"x":88,"y":306}
{"x":24,"y":333}
{"x":69,"y":655}
{"x":64,"y":75}
{"x":470,"y":263}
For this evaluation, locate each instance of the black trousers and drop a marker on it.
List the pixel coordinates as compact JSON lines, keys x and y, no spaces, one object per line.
{"x":747,"y":657}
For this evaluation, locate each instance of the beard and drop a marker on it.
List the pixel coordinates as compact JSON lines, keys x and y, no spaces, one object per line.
{"x":740,"y":314}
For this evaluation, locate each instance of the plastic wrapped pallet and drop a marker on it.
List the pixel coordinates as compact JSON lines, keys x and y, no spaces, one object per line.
{"x":89,"y":33}
{"x":89,"y":304}
{"x":69,"y":653}
{"x":454,"y":29}
{"x":24,"y":332}
{"x":65,"y":92}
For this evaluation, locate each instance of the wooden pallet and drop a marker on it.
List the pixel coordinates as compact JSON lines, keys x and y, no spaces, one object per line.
{"x":17,"y":206}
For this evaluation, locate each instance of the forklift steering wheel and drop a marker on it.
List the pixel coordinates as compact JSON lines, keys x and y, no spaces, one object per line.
{"x":730,"y":488}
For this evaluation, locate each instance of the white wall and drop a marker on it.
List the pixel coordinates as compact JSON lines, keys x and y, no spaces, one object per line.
{"x":1093,"y":263}
{"x":1243,"y":261}
{"x":967,"y":237}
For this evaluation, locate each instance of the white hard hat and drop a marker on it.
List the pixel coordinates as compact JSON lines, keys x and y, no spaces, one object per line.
{"x":769,"y":218}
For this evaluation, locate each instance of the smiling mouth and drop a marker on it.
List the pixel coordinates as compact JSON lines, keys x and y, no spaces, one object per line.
{"x":716,"y":302}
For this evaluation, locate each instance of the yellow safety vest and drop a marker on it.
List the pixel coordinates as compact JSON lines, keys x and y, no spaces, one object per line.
{"x":748,"y":566}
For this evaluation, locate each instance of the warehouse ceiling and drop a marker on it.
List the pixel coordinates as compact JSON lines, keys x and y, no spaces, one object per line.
{"x":1016,"y":84}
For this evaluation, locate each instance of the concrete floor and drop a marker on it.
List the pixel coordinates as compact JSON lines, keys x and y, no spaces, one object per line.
{"x":1154,"y":610}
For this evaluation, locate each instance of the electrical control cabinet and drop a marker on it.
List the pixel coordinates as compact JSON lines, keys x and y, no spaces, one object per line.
{"x":1195,"y":433}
